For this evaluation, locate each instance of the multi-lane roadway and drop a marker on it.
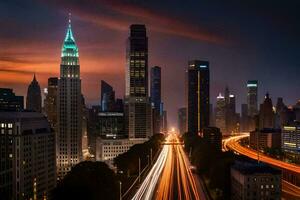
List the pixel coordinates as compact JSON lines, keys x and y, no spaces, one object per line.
{"x":171,"y":176}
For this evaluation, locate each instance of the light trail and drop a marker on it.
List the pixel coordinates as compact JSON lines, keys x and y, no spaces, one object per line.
{"x":177,"y":165}
{"x":233,"y":144}
{"x":147,"y":187}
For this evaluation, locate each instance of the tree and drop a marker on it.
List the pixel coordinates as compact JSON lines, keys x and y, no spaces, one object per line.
{"x":88,"y":180}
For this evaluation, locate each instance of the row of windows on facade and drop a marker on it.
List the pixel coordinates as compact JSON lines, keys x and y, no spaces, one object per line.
{"x":138,"y":54}
{"x":137,"y":74}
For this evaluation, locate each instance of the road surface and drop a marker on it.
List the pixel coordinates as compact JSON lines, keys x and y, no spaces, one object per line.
{"x":177,"y":180}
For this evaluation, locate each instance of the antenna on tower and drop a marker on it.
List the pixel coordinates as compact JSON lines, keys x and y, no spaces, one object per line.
{"x":70,"y":15}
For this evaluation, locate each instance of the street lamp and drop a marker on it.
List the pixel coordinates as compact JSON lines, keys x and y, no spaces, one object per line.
{"x":120,"y":190}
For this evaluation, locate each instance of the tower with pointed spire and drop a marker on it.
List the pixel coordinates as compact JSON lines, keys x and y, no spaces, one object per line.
{"x":68,"y":144}
{"x":34,"y":98}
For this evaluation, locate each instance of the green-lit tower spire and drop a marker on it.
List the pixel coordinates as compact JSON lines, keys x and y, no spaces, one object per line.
{"x":69,"y":55}
{"x":69,"y":151}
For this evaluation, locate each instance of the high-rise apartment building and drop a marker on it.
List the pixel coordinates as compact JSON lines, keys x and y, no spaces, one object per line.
{"x":69,"y":145}
{"x":50,"y":102}
{"x":198,"y":95}
{"x":138,"y":117}
{"x":252,"y":86}
{"x":34,"y":97}
{"x":9,"y":101}
{"x":28,"y":169}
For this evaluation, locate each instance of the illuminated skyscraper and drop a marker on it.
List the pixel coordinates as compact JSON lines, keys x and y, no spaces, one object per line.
{"x":137,"y":104}
{"x":198,"y":95}
{"x":34,"y":97}
{"x":221,"y":113}
{"x":69,"y":149}
{"x":252,"y":97}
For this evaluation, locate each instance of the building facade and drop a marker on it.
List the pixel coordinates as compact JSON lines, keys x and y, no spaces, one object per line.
{"x":9,"y":101}
{"x":197,"y":96}
{"x":265,"y":138}
{"x":50,"y":102}
{"x":252,"y":87}
{"x":34,"y":96}
{"x":291,"y":138}
{"x":221,"y":113}
{"x":28,"y":169}
{"x":214,"y":136}
{"x":108,"y":149}
{"x":69,"y":145}
{"x":252,"y":180}
{"x":138,"y":112}
{"x":266,"y":114}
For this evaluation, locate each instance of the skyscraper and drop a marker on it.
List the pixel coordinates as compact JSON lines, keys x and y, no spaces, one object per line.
{"x":50,"y":103}
{"x":252,"y":86}
{"x":182,"y":121}
{"x":156,"y":86}
{"x":107,"y":96}
{"x":221,"y":113}
{"x":9,"y":101}
{"x":266,"y":114}
{"x":198,"y":95}
{"x":34,"y":97}
{"x":69,"y":149}
{"x":155,"y":89}
{"x":137,"y":104}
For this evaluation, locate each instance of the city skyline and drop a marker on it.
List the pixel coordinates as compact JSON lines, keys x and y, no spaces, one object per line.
{"x":103,"y":56}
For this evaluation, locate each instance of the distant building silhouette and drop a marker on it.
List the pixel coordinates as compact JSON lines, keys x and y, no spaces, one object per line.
{"x":155,"y":89}
{"x":182,"y":120}
{"x":214,"y":136}
{"x":266,"y":113}
{"x":107,"y":97}
{"x":9,"y":101}
{"x":34,"y":97}
{"x":50,"y":102}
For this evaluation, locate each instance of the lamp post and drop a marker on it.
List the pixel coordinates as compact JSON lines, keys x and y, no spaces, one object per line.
{"x":151,"y":155}
{"x":120,"y":190}
{"x":139,"y":169}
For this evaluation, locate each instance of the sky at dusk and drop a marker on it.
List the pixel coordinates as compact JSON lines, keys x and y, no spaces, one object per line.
{"x":249,"y":39}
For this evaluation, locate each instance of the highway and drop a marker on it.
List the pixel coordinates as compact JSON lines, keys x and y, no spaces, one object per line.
{"x":288,"y":188}
{"x":146,"y":189}
{"x":177,"y":180}
{"x":233,"y":143}
{"x":170,"y":176}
